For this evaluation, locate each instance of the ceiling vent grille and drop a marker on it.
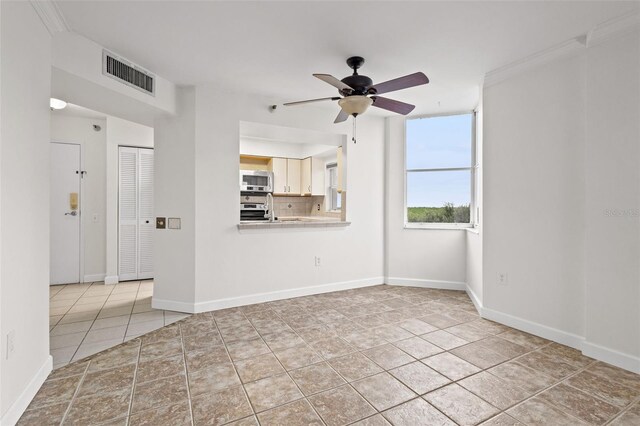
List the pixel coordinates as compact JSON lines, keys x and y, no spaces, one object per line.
{"x":127,"y":73}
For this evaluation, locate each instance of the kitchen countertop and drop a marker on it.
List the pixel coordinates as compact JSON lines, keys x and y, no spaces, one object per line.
{"x":294,"y":222}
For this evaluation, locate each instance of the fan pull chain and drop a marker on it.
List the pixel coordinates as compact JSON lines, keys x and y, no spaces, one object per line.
{"x":353,"y":138}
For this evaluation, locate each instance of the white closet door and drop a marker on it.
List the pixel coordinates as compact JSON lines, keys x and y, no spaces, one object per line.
{"x":128,"y":214}
{"x":145,"y":213}
{"x":136,"y":216}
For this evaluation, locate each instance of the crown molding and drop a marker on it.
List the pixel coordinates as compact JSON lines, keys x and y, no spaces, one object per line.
{"x":613,"y":28}
{"x":539,"y":58}
{"x":51,"y":16}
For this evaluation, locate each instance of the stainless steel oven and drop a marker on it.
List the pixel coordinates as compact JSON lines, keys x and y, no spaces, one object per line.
{"x":256,"y":181}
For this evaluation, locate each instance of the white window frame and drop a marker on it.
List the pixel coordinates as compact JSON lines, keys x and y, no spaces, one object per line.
{"x":472,"y":181}
{"x":330,"y":188}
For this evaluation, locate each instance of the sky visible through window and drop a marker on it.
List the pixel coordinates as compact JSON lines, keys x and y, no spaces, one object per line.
{"x":435,"y":143}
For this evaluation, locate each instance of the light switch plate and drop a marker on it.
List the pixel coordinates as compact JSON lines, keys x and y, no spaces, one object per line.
{"x":173,"y":223}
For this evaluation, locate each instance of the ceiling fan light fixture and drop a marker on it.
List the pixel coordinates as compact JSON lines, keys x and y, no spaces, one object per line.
{"x":356,"y":104}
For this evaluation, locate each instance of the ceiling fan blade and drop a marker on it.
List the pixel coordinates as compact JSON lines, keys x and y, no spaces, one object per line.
{"x":327,"y":78}
{"x":411,"y":80}
{"x":308,"y":101}
{"x":392,"y":105}
{"x":342,"y":116}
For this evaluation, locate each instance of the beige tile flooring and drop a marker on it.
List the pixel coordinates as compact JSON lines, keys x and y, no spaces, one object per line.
{"x":87,"y":318}
{"x":372,"y":356}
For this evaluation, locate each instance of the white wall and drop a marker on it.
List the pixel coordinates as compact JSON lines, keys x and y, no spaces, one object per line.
{"x":613,"y":183}
{"x":285,"y":258}
{"x":175,"y":187}
{"x":561,"y":200}
{"x":24,"y":214}
{"x":534,"y":195}
{"x":416,"y":256}
{"x":77,"y":55}
{"x":79,"y":130}
{"x":119,"y":133}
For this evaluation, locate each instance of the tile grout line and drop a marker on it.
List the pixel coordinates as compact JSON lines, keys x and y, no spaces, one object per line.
{"x":92,"y":322}
{"x":186,"y":376}
{"x":233,"y":365}
{"x":75,"y":393}
{"x":133,"y":384}
{"x":87,"y":331}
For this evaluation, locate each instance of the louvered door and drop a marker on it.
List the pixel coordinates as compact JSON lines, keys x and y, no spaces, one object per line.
{"x":135,"y":212}
{"x":145,"y":213}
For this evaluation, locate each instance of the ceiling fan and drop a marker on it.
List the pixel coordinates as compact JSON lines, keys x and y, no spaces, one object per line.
{"x":358,"y":91}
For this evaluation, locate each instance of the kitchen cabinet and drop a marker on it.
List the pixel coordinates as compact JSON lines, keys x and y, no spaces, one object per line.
{"x":279,"y":169}
{"x":317,"y":176}
{"x":305,"y":176}
{"x":286,"y":176}
{"x":293,"y":176}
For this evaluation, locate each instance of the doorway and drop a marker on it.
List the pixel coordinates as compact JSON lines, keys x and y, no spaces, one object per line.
{"x":66,"y":174}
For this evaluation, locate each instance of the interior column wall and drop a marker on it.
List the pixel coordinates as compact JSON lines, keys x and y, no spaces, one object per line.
{"x":174,"y":196}
{"x":25,"y":83}
{"x":613,"y":200}
{"x":533,"y":171}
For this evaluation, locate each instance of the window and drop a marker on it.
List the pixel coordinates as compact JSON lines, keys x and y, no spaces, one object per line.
{"x":334,"y":198}
{"x":440,"y":172}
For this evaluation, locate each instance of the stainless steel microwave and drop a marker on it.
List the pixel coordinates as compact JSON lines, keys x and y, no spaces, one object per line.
{"x":256,"y":181}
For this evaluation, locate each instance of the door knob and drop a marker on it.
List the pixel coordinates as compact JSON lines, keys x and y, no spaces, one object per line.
{"x":73,"y":213}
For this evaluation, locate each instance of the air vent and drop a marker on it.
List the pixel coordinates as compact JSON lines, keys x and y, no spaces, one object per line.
{"x":127,"y":73}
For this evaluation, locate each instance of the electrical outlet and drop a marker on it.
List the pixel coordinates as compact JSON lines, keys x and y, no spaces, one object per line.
{"x":502,"y":278}
{"x":11,"y":343}
{"x":317,"y":261}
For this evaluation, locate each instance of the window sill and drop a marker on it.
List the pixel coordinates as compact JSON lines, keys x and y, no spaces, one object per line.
{"x":436,"y":226}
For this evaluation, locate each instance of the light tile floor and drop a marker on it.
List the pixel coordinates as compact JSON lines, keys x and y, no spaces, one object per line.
{"x":372,"y":356}
{"x":87,"y":318}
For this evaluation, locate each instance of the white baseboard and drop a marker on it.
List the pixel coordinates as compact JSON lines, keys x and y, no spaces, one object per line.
{"x":91,"y":278}
{"x":111,"y":279}
{"x":566,"y":338}
{"x":232,"y":302}
{"x":610,"y":356}
{"x":474,"y":298}
{"x":16,"y":410}
{"x":413,"y":282}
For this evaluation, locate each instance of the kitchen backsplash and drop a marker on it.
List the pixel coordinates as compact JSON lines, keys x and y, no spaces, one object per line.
{"x":299,"y":206}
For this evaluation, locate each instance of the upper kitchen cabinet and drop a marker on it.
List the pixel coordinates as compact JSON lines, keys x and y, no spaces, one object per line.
{"x":286,"y":176}
{"x":279,"y":168}
{"x":305,"y":176}
{"x":293,"y":176}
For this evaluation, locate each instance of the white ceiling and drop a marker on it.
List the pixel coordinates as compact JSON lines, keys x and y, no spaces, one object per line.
{"x":272,"y":48}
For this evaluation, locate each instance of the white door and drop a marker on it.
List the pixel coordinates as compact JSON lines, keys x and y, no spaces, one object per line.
{"x":135,"y":214}
{"x":65,"y":213}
